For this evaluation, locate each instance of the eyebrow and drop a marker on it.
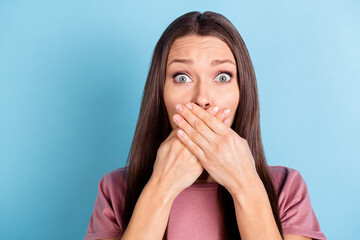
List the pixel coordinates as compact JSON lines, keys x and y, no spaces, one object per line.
{"x":213,"y":63}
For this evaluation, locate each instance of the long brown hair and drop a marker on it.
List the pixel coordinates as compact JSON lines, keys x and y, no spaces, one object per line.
{"x":153,"y":125}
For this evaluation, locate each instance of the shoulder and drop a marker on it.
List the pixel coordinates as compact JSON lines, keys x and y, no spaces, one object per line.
{"x":285,"y":177}
{"x":115,"y":181}
{"x":106,"y":218}
{"x":118,"y":175}
{"x":279,"y":173}
{"x":291,"y":190}
{"x":296,"y":213}
{"x":112,"y":186}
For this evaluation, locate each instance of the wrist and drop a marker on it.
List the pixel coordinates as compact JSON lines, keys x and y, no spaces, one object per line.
{"x":157,"y":187}
{"x":251,"y":192}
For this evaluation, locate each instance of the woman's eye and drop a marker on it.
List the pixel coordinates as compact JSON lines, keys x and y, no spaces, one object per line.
{"x":181,"y":78}
{"x":224,"y":77}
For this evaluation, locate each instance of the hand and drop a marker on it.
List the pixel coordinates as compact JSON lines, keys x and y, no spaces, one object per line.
{"x":222,"y":152}
{"x":175,"y":166}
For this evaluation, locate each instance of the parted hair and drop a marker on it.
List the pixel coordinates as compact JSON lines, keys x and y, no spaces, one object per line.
{"x":153,"y":124}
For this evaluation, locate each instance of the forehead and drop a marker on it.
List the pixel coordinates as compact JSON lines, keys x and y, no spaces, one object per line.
{"x":200,"y":46}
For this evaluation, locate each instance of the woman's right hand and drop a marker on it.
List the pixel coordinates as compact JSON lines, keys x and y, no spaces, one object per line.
{"x":175,"y":167}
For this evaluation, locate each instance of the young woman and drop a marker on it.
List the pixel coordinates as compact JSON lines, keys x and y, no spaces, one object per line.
{"x":196,"y":168}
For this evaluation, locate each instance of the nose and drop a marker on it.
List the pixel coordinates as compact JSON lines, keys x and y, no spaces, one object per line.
{"x":202,"y":95}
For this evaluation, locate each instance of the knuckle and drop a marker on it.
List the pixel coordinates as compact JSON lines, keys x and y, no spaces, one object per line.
{"x":228,"y":138}
{"x":201,"y":155}
{"x":161,"y":150}
{"x":217,"y":148}
{"x":184,"y":154}
{"x":163,"y":145}
{"x":173,"y":145}
{"x":195,"y":136}
{"x":187,"y":143}
{"x":197,"y":124}
{"x":177,"y":143}
{"x":170,"y":142}
{"x":209,"y":119}
{"x":226,"y":141}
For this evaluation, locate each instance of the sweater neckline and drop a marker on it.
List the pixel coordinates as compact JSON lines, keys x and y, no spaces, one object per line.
{"x":203,"y":186}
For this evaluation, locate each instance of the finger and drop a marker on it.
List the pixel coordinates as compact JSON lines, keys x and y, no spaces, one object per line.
{"x":176,"y":147}
{"x":170,"y":142}
{"x":185,"y":152}
{"x":200,"y":136}
{"x":223,"y":116}
{"x":213,"y":110}
{"x":190,"y":145}
{"x":172,"y":134}
{"x":197,"y":130}
{"x":215,"y":124}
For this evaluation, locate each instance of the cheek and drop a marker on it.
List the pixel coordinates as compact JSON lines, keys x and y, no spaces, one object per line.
{"x":171,"y":111}
{"x":234,"y":99}
{"x":231,"y":100}
{"x":168,"y":100}
{"x":174,"y":95}
{"x":170,"y":105}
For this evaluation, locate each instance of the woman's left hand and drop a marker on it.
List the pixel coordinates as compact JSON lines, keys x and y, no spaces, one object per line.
{"x":223,"y":153}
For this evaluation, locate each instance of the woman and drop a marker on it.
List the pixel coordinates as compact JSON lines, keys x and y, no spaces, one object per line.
{"x":195,"y":170}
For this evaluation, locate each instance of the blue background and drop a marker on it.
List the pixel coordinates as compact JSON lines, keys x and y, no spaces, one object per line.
{"x":71,"y":80}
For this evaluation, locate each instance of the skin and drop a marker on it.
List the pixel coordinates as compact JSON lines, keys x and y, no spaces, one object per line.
{"x":200,"y":82}
{"x":221,"y":151}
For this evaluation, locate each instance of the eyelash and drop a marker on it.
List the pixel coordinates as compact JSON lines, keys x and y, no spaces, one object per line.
{"x":179,"y":73}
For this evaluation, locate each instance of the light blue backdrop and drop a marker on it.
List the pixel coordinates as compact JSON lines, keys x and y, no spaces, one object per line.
{"x":71,"y":80}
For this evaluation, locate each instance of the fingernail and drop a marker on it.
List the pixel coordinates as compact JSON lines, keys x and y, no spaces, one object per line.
{"x":179,"y":107}
{"x":226,"y":111}
{"x":227,"y":121}
{"x":189,"y":106}
{"x":177,"y":118}
{"x":214,"y":110}
{"x":180,"y":133}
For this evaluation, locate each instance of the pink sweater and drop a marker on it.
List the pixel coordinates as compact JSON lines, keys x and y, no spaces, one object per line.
{"x":195,"y":213}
